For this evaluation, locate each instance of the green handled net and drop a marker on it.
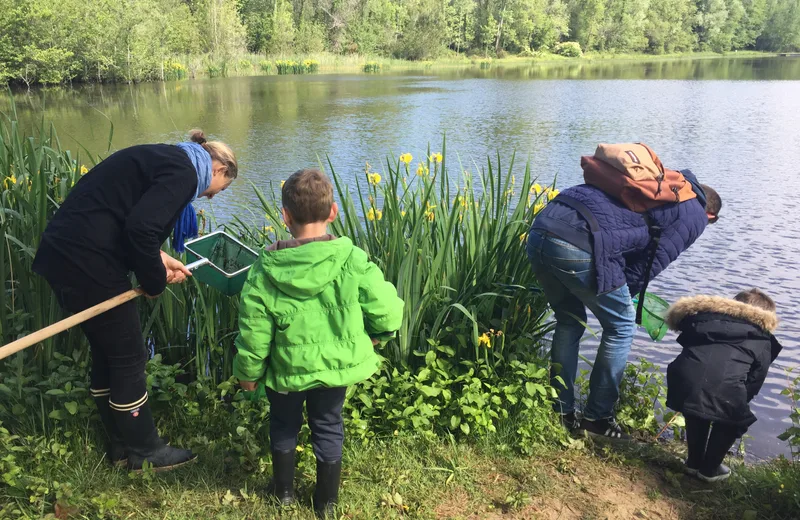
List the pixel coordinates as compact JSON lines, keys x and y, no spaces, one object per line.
{"x":229,"y":261}
{"x":655,"y":311}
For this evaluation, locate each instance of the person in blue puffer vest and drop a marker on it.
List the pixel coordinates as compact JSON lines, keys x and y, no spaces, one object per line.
{"x":588,"y":250}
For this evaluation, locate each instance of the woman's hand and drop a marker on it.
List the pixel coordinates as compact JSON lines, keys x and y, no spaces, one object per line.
{"x":176,"y":271}
{"x":248,"y":386}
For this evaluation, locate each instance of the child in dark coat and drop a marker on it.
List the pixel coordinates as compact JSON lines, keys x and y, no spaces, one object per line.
{"x":728,"y":347}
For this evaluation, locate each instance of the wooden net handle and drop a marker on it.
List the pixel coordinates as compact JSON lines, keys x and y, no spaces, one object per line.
{"x":61,"y":326}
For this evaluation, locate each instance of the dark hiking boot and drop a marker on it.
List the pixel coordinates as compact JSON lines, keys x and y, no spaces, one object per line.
{"x":326,"y":495}
{"x":282,"y":485}
{"x":135,"y":421}
{"x":569,"y":421}
{"x":719,"y":474}
{"x":116,"y":450}
{"x":606,"y":428}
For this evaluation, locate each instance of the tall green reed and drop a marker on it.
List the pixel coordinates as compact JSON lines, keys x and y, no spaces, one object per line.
{"x":36,"y":176}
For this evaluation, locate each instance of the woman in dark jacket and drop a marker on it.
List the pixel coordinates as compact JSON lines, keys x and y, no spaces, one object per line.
{"x":728,"y":347}
{"x":114,"y":221}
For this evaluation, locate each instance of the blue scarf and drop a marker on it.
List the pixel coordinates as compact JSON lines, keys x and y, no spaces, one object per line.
{"x":186,"y":225}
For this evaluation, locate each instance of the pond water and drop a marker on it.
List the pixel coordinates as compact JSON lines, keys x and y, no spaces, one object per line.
{"x":734,"y":122}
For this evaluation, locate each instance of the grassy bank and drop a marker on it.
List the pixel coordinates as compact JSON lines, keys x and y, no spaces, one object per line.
{"x":405,"y":477}
{"x":51,"y":464}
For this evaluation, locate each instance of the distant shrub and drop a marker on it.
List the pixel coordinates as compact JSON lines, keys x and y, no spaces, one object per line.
{"x":244,"y":65}
{"x":569,"y":49}
{"x":217,"y":71}
{"x":297,"y":67}
{"x":174,"y":70}
{"x":372,"y":67}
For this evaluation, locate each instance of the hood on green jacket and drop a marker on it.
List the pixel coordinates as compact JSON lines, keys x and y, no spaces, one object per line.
{"x":307,"y":315}
{"x":303,"y":272}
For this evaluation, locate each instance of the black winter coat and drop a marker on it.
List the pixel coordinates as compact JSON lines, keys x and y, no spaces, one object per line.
{"x":115,"y":220}
{"x":727,"y":349}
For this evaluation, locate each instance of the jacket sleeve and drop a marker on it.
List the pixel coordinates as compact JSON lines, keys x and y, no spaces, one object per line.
{"x":169,"y":192}
{"x":757,"y":375}
{"x":685,"y":228}
{"x":382,"y":308}
{"x":256,"y":330}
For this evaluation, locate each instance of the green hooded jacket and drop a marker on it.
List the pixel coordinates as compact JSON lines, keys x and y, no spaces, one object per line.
{"x":307,"y":315}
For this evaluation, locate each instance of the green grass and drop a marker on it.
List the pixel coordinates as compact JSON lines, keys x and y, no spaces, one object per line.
{"x":404,"y":476}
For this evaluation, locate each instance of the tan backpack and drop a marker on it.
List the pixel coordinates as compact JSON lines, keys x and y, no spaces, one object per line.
{"x":633,"y":174}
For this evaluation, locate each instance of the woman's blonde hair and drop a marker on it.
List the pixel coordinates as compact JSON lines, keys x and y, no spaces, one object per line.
{"x":218,"y":151}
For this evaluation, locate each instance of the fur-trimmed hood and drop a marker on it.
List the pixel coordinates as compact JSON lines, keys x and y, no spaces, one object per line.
{"x":691,"y":306}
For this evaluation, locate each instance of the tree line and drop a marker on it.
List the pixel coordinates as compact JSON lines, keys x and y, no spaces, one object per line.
{"x":54,"y":41}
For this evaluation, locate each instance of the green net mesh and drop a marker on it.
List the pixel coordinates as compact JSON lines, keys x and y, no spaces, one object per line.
{"x":229,"y":256}
{"x":655,"y":310}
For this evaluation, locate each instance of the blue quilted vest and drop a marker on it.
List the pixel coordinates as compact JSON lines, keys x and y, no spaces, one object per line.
{"x":621,"y":237}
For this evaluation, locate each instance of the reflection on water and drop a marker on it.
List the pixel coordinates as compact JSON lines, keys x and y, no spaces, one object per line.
{"x":742,"y":137}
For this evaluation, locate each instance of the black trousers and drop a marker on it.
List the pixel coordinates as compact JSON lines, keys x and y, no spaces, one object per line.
{"x":324,"y":406}
{"x":706,"y":452}
{"x":118,"y":351}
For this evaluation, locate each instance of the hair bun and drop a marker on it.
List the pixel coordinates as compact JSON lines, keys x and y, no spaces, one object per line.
{"x":197,"y":136}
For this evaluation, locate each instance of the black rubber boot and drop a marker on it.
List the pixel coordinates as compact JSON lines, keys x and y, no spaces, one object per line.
{"x":282,"y":486}
{"x":116,"y":451}
{"x":143,"y":442}
{"x":326,"y":495}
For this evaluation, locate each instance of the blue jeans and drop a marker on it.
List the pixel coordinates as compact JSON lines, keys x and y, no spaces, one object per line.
{"x":568,"y":278}
{"x":324,"y":407}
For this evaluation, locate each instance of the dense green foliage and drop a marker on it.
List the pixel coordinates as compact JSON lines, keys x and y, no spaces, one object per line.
{"x":42,"y":41}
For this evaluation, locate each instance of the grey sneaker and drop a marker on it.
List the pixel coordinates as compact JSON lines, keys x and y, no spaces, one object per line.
{"x":721,"y":473}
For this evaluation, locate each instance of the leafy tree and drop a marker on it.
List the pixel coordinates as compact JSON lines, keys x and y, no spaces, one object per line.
{"x":586,"y":22}
{"x":282,"y":38}
{"x":782,"y":26}
{"x":752,"y":24}
{"x":219,"y":22}
{"x":669,"y":26}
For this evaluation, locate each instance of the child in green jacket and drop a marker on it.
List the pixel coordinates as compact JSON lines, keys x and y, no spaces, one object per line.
{"x":309,"y":315}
